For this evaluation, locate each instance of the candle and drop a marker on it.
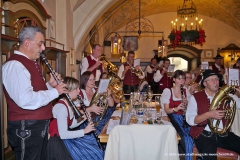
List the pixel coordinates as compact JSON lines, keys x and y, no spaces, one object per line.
{"x":191,"y":25}
{"x":196,"y":22}
{"x":176,"y":23}
{"x":182,"y":26}
{"x":186,"y":23}
{"x":171,"y":25}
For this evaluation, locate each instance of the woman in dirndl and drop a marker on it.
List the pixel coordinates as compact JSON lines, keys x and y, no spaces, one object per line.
{"x":63,"y":120}
{"x":88,"y":142}
{"x":175,"y":101}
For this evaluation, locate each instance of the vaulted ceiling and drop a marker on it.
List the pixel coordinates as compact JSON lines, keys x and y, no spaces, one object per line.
{"x":227,"y":11}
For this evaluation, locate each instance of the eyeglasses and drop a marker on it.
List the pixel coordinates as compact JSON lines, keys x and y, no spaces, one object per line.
{"x":212,"y":80}
{"x":189,"y":77}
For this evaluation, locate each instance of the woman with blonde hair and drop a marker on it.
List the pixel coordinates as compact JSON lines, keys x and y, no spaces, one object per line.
{"x":63,"y":120}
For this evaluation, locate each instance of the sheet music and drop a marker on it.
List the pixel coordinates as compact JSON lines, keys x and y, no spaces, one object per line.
{"x":103,"y":85}
{"x":204,"y":65}
{"x":171,"y":68}
{"x":233,"y":78}
{"x":136,"y":62}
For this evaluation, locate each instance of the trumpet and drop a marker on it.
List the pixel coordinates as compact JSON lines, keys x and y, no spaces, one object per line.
{"x":137,"y":72}
{"x":198,"y":87}
{"x":170,"y":74}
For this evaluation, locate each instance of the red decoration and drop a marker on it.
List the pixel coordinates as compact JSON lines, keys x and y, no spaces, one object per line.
{"x":201,"y":38}
{"x":176,"y":41}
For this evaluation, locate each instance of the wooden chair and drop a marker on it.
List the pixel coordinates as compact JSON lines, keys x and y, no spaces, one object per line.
{"x":223,"y":154}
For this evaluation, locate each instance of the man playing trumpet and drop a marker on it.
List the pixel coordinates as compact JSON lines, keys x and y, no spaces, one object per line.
{"x":162,"y":78}
{"x":130,"y":80}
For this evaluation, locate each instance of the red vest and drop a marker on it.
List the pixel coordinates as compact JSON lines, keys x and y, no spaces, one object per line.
{"x":215,"y":69}
{"x":53,"y":128}
{"x":130,"y":78}
{"x":165,"y":81}
{"x":15,"y":113}
{"x":150,"y":75}
{"x":198,"y":79}
{"x":91,"y":62}
{"x":174,"y":104}
{"x":203,"y":104}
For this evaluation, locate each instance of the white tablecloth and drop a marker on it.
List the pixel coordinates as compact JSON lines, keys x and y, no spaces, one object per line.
{"x":236,"y":123}
{"x":142,"y":142}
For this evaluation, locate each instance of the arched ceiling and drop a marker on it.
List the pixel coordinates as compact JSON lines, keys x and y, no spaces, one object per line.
{"x":227,"y":11}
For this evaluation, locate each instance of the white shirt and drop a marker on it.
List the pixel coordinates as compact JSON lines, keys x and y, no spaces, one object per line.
{"x":17,"y":82}
{"x":192,"y":110}
{"x":165,"y":98}
{"x":60,"y":112}
{"x":121,"y":69}
{"x":158,"y":76}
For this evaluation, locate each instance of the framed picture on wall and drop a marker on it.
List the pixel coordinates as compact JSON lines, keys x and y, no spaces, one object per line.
{"x":71,"y":58}
{"x":208,"y":53}
{"x":52,"y":29}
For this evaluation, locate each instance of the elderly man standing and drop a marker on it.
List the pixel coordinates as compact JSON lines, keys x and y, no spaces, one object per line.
{"x":28,"y":97}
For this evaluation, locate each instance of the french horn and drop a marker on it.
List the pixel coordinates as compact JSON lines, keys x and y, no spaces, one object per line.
{"x":228,"y":104}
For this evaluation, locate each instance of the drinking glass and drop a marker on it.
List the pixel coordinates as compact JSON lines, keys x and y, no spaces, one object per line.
{"x":157,"y":103}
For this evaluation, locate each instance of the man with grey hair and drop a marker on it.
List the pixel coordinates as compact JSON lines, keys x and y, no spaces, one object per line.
{"x":29,"y":97}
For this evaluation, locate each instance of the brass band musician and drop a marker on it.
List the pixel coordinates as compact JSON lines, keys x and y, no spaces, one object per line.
{"x":162,"y":78}
{"x":197,"y":116}
{"x":150,"y":70}
{"x":91,"y":62}
{"x":130,"y":80}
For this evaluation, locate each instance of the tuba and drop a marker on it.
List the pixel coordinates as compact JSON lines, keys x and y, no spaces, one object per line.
{"x":228,"y":105}
{"x":115,"y":85}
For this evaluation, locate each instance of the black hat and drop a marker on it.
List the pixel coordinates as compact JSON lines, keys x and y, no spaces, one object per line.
{"x":218,"y":57}
{"x":207,"y":73}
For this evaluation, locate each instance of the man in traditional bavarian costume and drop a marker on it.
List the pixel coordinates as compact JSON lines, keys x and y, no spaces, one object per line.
{"x":130,"y":80}
{"x":162,"y":78}
{"x":91,"y":62}
{"x":217,"y":67}
{"x":150,"y":70}
{"x":198,"y":114}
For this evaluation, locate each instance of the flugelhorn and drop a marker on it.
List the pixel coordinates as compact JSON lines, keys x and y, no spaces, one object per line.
{"x":77,"y":113}
{"x":89,"y":120}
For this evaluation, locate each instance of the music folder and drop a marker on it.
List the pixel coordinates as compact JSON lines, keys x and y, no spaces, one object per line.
{"x":136,"y":62}
{"x":103,"y":85}
{"x":233,"y":76}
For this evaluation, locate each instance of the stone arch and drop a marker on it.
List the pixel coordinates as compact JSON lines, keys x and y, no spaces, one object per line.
{"x":187,"y":52}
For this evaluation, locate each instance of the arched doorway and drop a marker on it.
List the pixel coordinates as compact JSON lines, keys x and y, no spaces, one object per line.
{"x":186,"y":57}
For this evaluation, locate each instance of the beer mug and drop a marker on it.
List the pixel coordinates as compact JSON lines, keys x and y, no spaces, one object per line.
{"x":157,"y":103}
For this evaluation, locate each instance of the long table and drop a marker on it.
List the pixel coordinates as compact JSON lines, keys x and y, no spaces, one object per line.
{"x":103,"y":136}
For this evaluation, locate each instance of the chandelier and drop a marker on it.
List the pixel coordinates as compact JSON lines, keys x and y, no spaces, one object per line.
{"x":187,"y":28}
